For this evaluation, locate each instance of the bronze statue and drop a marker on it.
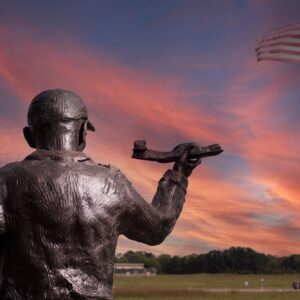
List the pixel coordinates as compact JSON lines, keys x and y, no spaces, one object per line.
{"x":61,"y":213}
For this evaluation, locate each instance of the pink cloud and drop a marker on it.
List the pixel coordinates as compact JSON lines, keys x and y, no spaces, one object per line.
{"x":127,"y":103}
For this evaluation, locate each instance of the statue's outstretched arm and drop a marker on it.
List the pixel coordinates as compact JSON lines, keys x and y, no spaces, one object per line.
{"x":151,"y":224}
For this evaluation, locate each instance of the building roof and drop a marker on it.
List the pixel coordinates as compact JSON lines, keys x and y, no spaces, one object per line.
{"x":128,"y":266}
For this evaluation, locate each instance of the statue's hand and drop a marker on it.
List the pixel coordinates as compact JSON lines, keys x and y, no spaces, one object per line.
{"x":184,"y":164}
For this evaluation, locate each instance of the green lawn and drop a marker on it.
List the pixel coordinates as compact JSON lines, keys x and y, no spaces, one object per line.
{"x":229,"y":296}
{"x":186,"y":287}
{"x":207,"y":281}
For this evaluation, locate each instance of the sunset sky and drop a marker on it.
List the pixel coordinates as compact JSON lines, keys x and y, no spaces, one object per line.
{"x":170,"y":72}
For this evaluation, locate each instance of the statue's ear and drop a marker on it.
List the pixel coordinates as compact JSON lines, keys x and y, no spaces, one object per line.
{"x":28,"y":136}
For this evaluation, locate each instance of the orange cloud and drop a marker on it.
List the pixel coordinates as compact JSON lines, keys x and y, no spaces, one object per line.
{"x":126,"y":104}
{"x":105,"y":85}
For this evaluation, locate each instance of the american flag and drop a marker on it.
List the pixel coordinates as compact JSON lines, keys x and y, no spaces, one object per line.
{"x":281,"y":44}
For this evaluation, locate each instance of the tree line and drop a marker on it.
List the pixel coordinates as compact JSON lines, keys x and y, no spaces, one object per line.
{"x":233,"y":260}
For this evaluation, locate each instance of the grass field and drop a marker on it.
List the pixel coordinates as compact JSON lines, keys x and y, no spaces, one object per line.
{"x":205,"y":286}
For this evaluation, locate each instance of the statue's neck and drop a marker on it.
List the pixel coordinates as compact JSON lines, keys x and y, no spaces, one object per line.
{"x":62,"y":142}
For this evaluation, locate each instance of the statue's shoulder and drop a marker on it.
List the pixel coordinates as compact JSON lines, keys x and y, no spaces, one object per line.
{"x":7,"y":172}
{"x":10,"y":167}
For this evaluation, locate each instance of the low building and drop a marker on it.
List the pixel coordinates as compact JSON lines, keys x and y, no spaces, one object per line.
{"x":133,"y":269}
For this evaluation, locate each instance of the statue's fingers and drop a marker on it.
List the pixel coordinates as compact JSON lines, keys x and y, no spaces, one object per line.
{"x":183,"y":157}
{"x":181,"y":162}
{"x":194,"y":163}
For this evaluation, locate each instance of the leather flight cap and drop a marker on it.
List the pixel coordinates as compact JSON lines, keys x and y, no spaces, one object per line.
{"x":57,"y":105}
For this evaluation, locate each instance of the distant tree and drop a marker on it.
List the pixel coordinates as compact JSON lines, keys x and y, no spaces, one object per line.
{"x":273,"y":265}
{"x":215,"y":262}
{"x":244,"y":260}
{"x":164,"y":263}
{"x":233,"y":260}
{"x":192,"y":264}
{"x":174,"y":266}
{"x":291,"y":264}
{"x":151,"y":261}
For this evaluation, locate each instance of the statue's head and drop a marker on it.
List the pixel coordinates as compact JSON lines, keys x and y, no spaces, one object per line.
{"x":57,"y":120}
